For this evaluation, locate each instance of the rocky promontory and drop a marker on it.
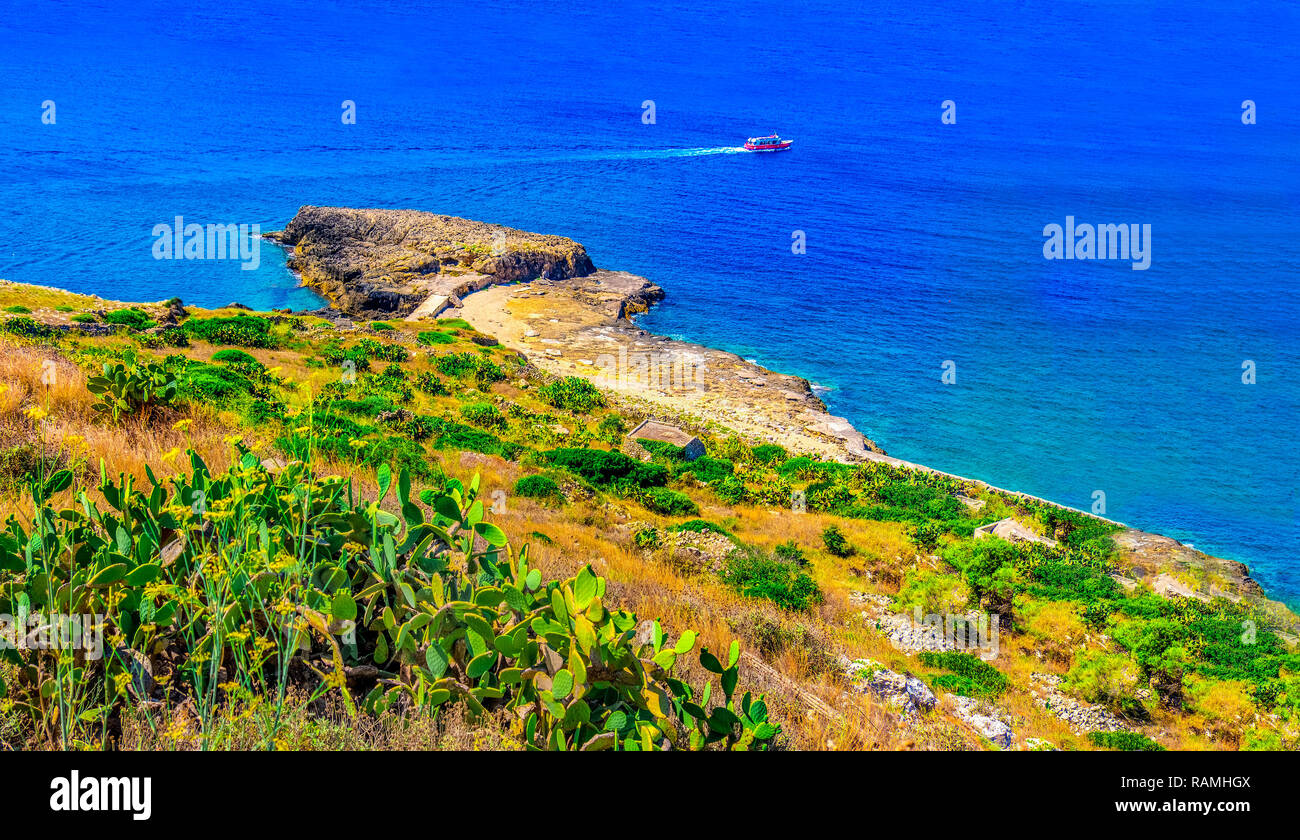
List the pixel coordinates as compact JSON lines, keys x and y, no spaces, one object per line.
{"x":389,"y":262}
{"x":568,"y":319}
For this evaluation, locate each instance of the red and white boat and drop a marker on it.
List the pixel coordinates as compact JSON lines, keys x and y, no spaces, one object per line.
{"x":771,"y":143}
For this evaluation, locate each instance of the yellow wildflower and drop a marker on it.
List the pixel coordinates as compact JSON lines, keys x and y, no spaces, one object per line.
{"x":171,"y":456}
{"x":182,"y":425}
{"x":36,"y":413}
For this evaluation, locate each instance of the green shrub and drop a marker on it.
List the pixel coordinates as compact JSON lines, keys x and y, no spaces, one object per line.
{"x":483,"y":414}
{"x":648,"y":539}
{"x":239,"y":330}
{"x":65,"y":308}
{"x":668,"y":502}
{"x":29,"y":327}
{"x":707,"y":469}
{"x":84,"y":318}
{"x":18,"y":309}
{"x":931,"y":591}
{"x":430,"y":384}
{"x":459,"y":436}
{"x":233,"y":355}
{"x":731,"y":490}
{"x":607,"y":468}
{"x":925,"y":536}
{"x":611,"y":429}
{"x":978,"y":678}
{"x":572,"y":393}
{"x":383,"y":351}
{"x":756,"y":574}
{"x":538,"y":487}
{"x":836,"y":543}
{"x":382,"y":326}
{"x":173,"y":337}
{"x":790,"y":552}
{"x":769,"y":453}
{"x":212,"y":384}
{"x":131,"y":317}
{"x":455,"y":323}
{"x":1126,"y":741}
{"x":431,"y":338}
{"x":662,"y":449}
{"x":461,"y":365}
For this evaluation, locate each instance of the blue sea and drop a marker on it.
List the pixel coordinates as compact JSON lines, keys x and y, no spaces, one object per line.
{"x":924,"y":240}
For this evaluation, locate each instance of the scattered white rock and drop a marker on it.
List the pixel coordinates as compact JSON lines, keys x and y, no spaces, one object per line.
{"x":1082,"y":717}
{"x":984,"y":718}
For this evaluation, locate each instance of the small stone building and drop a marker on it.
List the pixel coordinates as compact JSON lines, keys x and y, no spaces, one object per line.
{"x":691,"y":446}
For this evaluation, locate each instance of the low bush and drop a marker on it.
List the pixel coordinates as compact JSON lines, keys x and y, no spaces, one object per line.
{"x":702,"y":525}
{"x":234,"y":356}
{"x":601,"y":467}
{"x":461,"y":365}
{"x":483,"y":414}
{"x":611,"y":429}
{"x":434,"y":337}
{"x":835,"y":542}
{"x":973,"y":676}
{"x":240,"y":330}
{"x":538,"y":487}
{"x":769,"y":453}
{"x":790,"y":552}
{"x":29,"y":327}
{"x":668,"y":502}
{"x":131,"y":317}
{"x":756,"y":574}
{"x":1126,"y":741}
{"x":572,"y":393}
{"x":707,"y":469}
{"x":430,"y":384}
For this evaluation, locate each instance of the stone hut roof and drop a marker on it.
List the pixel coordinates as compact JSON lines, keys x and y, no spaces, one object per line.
{"x":692,"y":447}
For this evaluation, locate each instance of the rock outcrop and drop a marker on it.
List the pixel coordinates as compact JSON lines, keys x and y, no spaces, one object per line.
{"x":388,"y":262}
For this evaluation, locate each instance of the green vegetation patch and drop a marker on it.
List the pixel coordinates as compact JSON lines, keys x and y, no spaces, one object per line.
{"x":970,"y":675}
{"x":131,"y":317}
{"x":607,"y":468}
{"x":239,"y":330}
{"x":1125,"y":741}
{"x":572,"y":393}
{"x":757,"y":574}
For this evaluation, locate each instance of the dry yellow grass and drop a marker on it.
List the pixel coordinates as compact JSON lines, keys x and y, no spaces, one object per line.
{"x":797,"y":671}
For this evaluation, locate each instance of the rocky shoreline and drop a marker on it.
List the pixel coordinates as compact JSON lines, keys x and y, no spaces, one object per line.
{"x":543,"y":296}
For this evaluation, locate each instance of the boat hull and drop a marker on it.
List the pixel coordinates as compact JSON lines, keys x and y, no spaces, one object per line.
{"x":784,"y":145}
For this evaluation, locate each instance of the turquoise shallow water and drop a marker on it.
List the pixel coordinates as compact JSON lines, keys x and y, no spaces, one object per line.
{"x":923,"y":240}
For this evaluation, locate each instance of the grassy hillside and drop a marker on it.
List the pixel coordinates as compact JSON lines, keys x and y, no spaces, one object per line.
{"x":401,"y":535}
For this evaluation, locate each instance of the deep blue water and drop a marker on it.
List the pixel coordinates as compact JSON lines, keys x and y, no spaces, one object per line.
{"x":924,"y":240}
